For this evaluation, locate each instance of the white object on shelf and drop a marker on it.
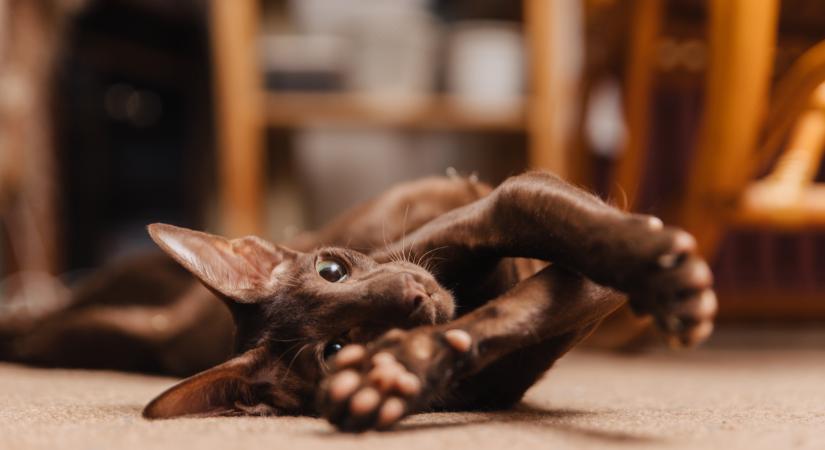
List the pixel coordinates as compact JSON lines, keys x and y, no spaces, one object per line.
{"x":485,"y":67}
{"x":391,"y":50}
{"x":283,"y":52}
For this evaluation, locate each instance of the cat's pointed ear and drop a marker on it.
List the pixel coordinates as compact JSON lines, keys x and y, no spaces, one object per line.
{"x":223,"y":389}
{"x":244,"y":269}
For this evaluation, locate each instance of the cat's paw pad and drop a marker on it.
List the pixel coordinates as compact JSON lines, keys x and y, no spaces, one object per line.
{"x":675,"y":286}
{"x":377,"y":387}
{"x":377,"y":399}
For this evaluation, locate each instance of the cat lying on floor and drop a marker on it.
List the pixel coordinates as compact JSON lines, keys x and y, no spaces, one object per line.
{"x":439,"y":294}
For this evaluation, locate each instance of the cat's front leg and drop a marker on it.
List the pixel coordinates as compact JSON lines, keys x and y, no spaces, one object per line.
{"x":659,"y":267}
{"x":538,"y":215}
{"x":401,"y":373}
{"x":410,"y":371}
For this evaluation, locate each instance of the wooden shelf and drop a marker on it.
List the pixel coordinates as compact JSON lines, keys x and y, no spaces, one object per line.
{"x":243,"y":109}
{"x":431,"y":112}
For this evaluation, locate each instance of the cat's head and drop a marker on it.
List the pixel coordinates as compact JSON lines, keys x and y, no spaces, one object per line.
{"x":292,"y":312}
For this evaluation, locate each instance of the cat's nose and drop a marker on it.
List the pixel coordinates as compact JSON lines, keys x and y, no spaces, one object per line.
{"x":413,"y":291}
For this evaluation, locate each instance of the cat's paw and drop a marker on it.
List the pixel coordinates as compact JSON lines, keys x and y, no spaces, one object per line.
{"x":374,"y":387}
{"x":673,"y":283}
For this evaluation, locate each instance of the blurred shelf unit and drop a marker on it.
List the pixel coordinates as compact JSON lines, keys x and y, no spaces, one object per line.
{"x":435,"y":112}
{"x":245,"y":106}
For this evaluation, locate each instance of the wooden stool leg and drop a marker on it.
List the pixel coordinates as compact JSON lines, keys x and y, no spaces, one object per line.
{"x":240,"y":135}
{"x":555,"y":43}
{"x":30,"y":38}
{"x":742,"y":40}
{"x":630,"y":169}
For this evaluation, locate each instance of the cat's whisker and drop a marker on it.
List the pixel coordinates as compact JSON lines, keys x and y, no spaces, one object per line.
{"x":404,"y":230}
{"x":392,"y":252}
{"x":432,"y":265}
{"x":422,"y":259}
{"x":414,"y":245}
{"x":291,"y":362}
{"x":281,"y":356}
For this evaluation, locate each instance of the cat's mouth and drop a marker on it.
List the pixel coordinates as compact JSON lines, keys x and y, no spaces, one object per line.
{"x":424,"y":311}
{"x":434,"y":308}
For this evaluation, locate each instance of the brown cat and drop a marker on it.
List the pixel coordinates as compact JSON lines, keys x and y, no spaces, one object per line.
{"x":436,"y":295}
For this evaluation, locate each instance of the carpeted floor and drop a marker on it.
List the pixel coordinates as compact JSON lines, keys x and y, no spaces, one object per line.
{"x":747,"y":395}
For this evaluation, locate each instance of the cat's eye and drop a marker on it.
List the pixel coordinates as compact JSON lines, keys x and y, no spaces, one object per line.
{"x":332,"y":349}
{"x":331,"y":270}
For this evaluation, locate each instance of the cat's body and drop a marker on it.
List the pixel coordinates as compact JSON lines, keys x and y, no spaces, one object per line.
{"x":480,"y":327}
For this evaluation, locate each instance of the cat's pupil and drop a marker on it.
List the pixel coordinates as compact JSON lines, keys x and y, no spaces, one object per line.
{"x":331,"y":271}
{"x":331,"y":349}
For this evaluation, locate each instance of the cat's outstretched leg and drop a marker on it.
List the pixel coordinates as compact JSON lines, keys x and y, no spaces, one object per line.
{"x":451,"y":365}
{"x":538,"y":215}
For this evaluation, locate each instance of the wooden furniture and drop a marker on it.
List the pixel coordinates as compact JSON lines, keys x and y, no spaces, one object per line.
{"x":645,"y":24}
{"x":30,"y":37}
{"x":240,"y":119}
{"x":742,"y":36}
{"x":788,"y":198}
{"x":743,"y":132}
{"x":553,"y":42}
{"x":741,"y":40}
{"x":245,"y":109}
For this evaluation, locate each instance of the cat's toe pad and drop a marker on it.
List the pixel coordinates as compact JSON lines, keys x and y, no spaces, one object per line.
{"x":374,"y":398}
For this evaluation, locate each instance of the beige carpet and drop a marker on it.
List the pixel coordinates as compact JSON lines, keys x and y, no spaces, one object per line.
{"x":727,"y":397}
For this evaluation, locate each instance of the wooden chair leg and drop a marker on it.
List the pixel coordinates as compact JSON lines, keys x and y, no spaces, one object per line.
{"x":645,"y":23}
{"x":30,"y":37}
{"x":240,"y":134}
{"x":555,"y":44}
{"x":742,"y":40}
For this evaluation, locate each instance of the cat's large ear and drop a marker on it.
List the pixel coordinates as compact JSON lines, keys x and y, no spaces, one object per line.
{"x":223,"y":389}
{"x":240,"y":269}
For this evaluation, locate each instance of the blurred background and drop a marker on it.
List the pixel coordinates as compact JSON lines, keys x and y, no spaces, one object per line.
{"x":271,"y":116}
